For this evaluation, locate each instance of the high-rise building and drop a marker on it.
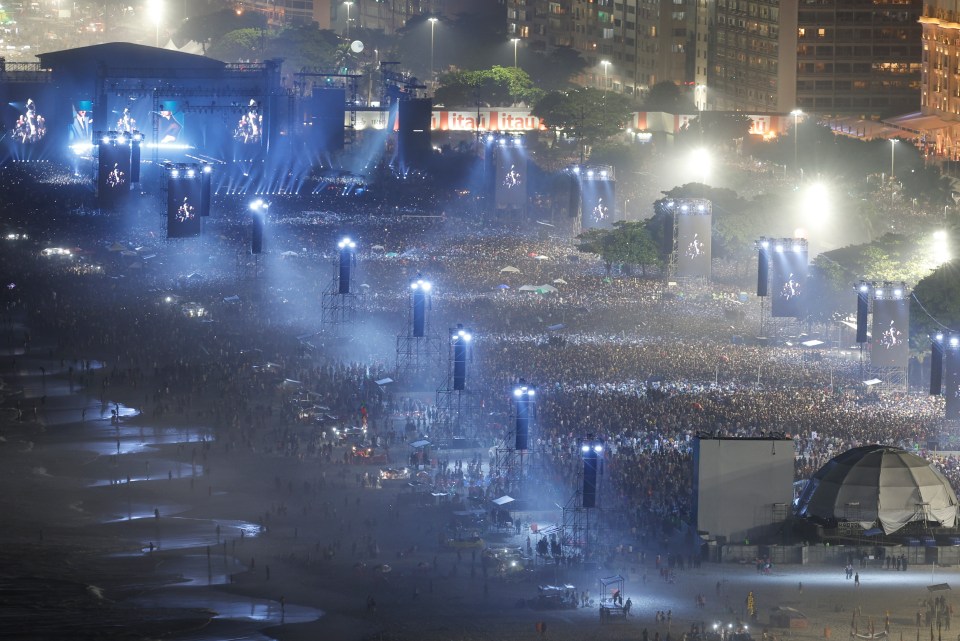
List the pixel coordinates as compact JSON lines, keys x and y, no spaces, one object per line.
{"x":655,"y":42}
{"x":836,"y":57}
{"x":940,"y":91}
{"x":629,"y":45}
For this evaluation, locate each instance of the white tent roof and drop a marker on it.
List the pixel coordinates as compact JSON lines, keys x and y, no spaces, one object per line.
{"x":879,"y":484}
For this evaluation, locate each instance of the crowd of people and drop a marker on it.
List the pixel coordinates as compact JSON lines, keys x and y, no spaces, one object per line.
{"x":640,"y":365}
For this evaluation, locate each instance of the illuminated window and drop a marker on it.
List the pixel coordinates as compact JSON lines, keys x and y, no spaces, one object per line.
{"x":801,"y":32}
{"x":821,"y":32}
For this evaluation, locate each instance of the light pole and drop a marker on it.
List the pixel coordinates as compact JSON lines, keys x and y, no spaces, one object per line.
{"x":893,"y":147}
{"x":796,"y":113}
{"x":155,"y":11}
{"x":347,"y":30}
{"x":433,"y":23}
{"x":515,"y":42}
{"x":606,"y":65}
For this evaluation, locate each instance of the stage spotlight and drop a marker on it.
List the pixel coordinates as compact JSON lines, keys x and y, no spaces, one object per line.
{"x":584,"y":448}
{"x":421,"y":285}
{"x":939,"y":338}
{"x":864,"y":288}
{"x":256,"y":204}
{"x":191,"y":173}
{"x":897,"y":293}
{"x":346,"y":243}
{"x":105,"y":140}
{"x":175,"y":173}
{"x":576,"y":169}
{"x":597,"y":448}
{"x":464,"y":335}
{"x":779,"y":248}
{"x":878,"y":293}
{"x":954,"y":341}
{"x":589,"y":173}
{"x":603,"y":174}
{"x":207,"y":169}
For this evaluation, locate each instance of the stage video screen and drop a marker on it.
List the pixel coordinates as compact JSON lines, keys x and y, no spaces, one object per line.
{"x":81,"y":125}
{"x":137,"y":113}
{"x":788,"y":281}
{"x":693,"y":244}
{"x":183,"y":206}
{"x":113,"y":173}
{"x":597,"y":201}
{"x":249,"y":129}
{"x":31,"y":124}
{"x":511,"y":186}
{"x":951,"y":380}
{"x":891,"y":328}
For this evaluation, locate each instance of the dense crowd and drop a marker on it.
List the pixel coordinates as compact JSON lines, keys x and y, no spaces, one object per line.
{"x":642,"y":366}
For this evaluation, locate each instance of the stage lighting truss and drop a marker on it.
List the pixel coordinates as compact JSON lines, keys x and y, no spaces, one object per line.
{"x":885,"y":290}
{"x":507,"y":139}
{"x":347,"y":244}
{"x":691,"y":206}
{"x":591,"y":446}
{"x":951,"y":341}
{"x":594,"y":172}
{"x":781,"y":245}
{"x":186,"y":170}
{"x":118,"y":137}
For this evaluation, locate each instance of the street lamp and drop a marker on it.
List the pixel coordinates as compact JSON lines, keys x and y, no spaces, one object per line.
{"x":349,"y":4}
{"x":606,"y":65}
{"x":893,"y":147}
{"x":155,"y":12}
{"x":796,"y":113}
{"x":515,"y":42}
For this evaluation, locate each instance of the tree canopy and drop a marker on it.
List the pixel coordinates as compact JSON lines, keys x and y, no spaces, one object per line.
{"x":499,"y":86}
{"x":667,"y":96}
{"x":628,"y":243}
{"x":589,"y":114}
{"x":939,"y":298}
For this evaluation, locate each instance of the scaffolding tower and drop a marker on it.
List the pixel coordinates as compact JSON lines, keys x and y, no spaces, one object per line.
{"x":339,"y":304}
{"x":518,"y":465}
{"x":419,"y":352}
{"x":583,"y":527}
{"x":457,"y":406}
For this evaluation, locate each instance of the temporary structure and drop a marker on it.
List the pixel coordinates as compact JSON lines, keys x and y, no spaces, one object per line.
{"x":879,"y":485}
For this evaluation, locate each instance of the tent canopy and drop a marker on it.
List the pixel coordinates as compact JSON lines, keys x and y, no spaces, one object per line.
{"x":510,"y":269}
{"x":879,"y":485}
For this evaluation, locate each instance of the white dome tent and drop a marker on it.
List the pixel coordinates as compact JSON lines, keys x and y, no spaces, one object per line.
{"x":879,"y":485}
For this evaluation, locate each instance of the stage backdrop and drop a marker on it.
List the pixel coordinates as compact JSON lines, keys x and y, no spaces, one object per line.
{"x":598,"y":203}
